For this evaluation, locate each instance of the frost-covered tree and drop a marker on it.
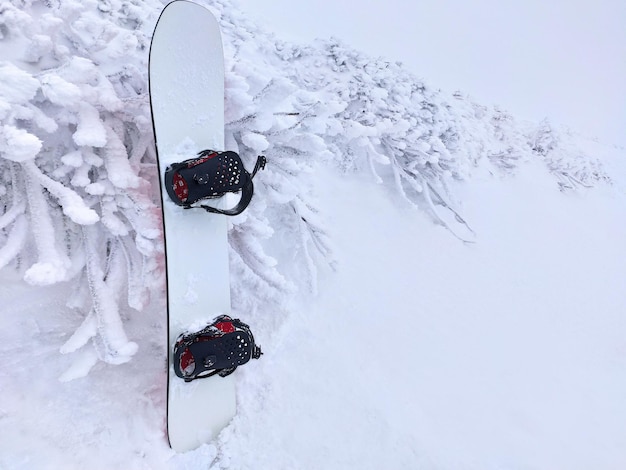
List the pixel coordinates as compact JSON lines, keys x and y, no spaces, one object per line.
{"x":78,"y":181}
{"x":568,"y":164}
{"x":76,"y":149}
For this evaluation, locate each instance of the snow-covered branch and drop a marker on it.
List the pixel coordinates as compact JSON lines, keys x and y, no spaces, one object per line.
{"x":77,"y":160}
{"x":74,"y":144}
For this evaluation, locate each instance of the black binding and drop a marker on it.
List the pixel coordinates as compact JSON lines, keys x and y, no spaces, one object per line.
{"x":215,"y":352}
{"x":241,"y":181}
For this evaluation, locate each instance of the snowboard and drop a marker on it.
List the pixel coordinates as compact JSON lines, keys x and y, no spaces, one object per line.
{"x":186,"y":81}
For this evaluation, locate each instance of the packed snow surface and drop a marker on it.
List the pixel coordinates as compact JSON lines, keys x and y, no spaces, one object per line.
{"x":419,"y":352}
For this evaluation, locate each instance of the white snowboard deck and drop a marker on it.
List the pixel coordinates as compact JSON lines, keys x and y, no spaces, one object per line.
{"x":187,"y":99}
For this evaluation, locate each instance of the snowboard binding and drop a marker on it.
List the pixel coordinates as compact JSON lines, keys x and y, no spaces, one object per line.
{"x":217,"y":349}
{"x":211,"y":175}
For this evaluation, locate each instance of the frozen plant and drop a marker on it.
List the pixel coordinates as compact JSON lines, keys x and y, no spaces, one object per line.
{"x":76,"y":158}
{"x":78,"y":186}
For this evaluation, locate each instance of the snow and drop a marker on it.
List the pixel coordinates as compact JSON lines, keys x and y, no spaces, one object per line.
{"x":90,"y":131}
{"x":420,"y":351}
{"x":425,"y":352}
{"x":59,"y":91}
{"x":255,"y":141}
{"x":17,"y":85}
{"x":435,"y":284}
{"x":18,"y":145}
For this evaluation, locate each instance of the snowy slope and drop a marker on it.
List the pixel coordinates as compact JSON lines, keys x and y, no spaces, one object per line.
{"x":390,"y":343}
{"x":419,"y":351}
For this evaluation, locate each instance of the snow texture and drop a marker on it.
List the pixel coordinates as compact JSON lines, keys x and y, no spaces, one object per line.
{"x":435,"y":283}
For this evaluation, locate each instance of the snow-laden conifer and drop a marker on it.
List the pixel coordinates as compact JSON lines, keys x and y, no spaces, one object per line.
{"x":78,"y":187}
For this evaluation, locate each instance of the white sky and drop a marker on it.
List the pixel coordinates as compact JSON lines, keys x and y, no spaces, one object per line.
{"x":561,"y":59}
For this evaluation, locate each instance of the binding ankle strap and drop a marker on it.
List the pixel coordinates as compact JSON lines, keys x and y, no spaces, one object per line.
{"x":246,"y":193}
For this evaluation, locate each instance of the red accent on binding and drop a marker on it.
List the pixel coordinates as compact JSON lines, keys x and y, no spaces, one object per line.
{"x":226,"y":327}
{"x":187,"y":361}
{"x":201,"y":160}
{"x":180,"y":187}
